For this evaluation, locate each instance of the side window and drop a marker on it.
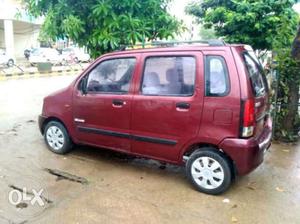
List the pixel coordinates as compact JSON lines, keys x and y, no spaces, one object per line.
{"x":111,"y":76}
{"x":256,"y":76}
{"x":216,"y":76}
{"x":169,"y":76}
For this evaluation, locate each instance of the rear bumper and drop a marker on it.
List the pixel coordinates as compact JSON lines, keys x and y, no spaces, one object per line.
{"x":248,"y":154}
{"x":41,"y":121}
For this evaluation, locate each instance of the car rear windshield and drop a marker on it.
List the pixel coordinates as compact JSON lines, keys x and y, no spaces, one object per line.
{"x":256,"y":75}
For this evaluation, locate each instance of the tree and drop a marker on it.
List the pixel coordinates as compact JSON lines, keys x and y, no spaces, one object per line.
{"x":207,"y":34}
{"x":105,"y":25}
{"x":296,"y":45}
{"x":248,"y":21}
{"x":288,"y":69}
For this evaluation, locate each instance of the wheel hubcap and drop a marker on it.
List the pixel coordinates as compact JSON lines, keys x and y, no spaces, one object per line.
{"x":55,"y":138}
{"x":207,"y":172}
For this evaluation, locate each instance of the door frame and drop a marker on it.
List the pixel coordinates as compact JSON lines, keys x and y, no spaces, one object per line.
{"x":199,"y":92}
{"x":129,"y":94}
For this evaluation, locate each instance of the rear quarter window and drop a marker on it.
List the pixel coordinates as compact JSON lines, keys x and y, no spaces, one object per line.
{"x":256,"y":76}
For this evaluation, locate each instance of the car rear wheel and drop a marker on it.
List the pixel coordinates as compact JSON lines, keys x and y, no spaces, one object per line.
{"x":10,"y":63}
{"x":209,"y":171}
{"x":57,"y":138}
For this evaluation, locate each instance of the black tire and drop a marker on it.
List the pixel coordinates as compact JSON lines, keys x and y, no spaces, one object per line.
{"x":10,"y":63}
{"x":64,"y":62}
{"x":67,"y":144}
{"x":76,"y":60}
{"x":213,"y":157}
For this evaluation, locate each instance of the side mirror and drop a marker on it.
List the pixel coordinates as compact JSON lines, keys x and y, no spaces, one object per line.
{"x":83,"y":85}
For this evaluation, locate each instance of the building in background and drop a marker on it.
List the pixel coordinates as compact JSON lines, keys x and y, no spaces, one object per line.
{"x":18,"y":30}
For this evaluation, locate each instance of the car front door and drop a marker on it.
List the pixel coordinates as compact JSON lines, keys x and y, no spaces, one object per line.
{"x":167,"y":104}
{"x":102,"y":104}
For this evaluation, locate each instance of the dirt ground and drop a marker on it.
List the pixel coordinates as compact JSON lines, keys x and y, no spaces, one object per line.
{"x":91,"y":185}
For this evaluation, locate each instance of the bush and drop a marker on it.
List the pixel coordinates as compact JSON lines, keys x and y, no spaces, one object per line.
{"x":287,"y":121}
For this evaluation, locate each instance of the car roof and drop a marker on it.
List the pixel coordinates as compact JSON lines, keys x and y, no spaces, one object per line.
{"x":179,"y":48}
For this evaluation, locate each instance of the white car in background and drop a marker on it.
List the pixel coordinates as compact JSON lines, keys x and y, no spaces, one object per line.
{"x":5,"y":59}
{"x":75,"y":54}
{"x":39,"y":55}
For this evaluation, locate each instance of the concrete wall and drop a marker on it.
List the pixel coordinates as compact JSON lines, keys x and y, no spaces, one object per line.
{"x":25,"y":36}
{"x":21,"y":29}
{"x":24,"y":41}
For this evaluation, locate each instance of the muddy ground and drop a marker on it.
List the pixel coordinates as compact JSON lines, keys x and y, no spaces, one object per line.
{"x":91,"y":185}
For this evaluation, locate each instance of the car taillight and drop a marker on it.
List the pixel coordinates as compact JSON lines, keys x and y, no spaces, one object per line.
{"x":248,"y":118}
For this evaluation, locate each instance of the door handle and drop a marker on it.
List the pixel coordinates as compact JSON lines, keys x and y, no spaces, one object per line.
{"x":118,"y":103}
{"x":183,"y":105}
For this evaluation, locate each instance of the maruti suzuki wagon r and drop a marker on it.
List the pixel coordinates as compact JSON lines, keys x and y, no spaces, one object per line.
{"x":204,"y":106}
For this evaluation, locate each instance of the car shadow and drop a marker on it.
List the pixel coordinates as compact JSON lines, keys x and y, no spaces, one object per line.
{"x":89,"y":153}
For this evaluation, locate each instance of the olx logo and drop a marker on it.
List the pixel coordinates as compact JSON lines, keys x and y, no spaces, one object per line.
{"x":16,"y":196}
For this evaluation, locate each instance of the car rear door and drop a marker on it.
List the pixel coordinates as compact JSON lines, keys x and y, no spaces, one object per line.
{"x":167,"y":104}
{"x":102,"y":112}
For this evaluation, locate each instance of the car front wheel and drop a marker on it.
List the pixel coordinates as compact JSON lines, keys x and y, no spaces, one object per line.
{"x":57,"y":138}
{"x":209,"y":171}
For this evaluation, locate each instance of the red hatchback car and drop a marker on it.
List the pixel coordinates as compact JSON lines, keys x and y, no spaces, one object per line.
{"x":204,"y":106}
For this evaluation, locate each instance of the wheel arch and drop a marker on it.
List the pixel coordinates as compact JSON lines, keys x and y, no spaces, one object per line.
{"x":48,"y":119}
{"x":198,"y":146}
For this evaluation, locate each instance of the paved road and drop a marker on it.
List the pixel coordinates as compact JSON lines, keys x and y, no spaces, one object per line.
{"x":99,"y":186}
{"x":26,"y":68}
